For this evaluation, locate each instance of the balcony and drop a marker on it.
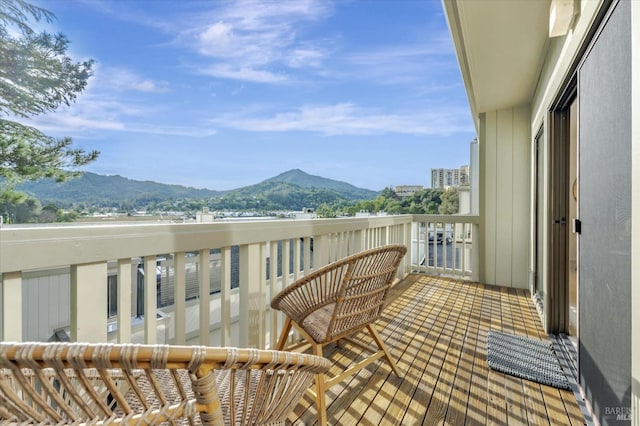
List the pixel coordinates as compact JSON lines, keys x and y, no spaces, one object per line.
{"x":437,"y":329}
{"x":142,"y":283}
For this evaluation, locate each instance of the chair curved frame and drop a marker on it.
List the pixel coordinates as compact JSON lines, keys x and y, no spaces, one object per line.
{"x":59,"y":383}
{"x":338,"y":300}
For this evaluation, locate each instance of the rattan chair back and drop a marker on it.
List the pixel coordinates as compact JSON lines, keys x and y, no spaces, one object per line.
{"x":336,"y":301}
{"x":342,"y":297}
{"x":62,"y":383}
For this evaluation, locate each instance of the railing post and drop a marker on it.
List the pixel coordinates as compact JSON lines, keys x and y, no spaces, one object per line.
{"x":205,"y":284}
{"x":475,"y":252}
{"x":321,"y":247}
{"x":406,"y":262}
{"x":251,"y":299}
{"x":89,"y":302}
{"x":124,"y":300}
{"x":12,"y":306}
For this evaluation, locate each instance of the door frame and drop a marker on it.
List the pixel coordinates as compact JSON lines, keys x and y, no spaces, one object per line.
{"x":558,"y":214}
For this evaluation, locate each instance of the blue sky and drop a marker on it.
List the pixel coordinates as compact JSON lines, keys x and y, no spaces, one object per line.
{"x":223,"y":94}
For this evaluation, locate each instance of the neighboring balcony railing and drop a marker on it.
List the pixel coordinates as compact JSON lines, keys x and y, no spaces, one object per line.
{"x":142,"y":282}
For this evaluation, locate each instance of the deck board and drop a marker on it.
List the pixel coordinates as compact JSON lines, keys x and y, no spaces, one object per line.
{"x":436,"y":329}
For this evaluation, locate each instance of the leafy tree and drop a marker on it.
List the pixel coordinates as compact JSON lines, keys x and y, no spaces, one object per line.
{"x":48,"y":214}
{"x":24,"y":210}
{"x":36,"y":77}
{"x":389,"y":193}
{"x":450,"y":202}
{"x":324,"y":210}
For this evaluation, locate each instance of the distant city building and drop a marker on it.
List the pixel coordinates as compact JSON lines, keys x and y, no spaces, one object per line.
{"x":446,"y":178}
{"x":407,"y":190}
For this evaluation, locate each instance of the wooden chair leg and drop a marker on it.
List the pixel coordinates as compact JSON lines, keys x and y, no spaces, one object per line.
{"x":284,"y":335}
{"x":321,"y":401}
{"x":383,"y":347}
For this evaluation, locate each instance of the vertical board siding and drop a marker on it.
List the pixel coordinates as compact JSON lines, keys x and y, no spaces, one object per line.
{"x":504,"y":197}
{"x":521,"y":197}
{"x":488,"y":146}
{"x":504,"y":174}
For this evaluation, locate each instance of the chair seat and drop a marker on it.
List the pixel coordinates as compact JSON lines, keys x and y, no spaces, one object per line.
{"x":317,"y":322}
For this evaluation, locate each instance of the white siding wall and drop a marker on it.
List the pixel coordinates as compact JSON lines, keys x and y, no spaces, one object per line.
{"x":504,"y":201}
{"x":45,"y":303}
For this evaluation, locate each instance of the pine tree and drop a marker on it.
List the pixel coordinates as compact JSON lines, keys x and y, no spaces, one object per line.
{"x":36,"y":77}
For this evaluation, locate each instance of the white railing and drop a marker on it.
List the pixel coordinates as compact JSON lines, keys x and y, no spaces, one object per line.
{"x":72,"y":277}
{"x":442,"y":244}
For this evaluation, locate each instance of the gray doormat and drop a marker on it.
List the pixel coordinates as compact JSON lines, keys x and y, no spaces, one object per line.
{"x":529,"y":359}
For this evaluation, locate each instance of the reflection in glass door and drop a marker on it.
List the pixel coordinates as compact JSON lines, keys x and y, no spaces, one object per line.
{"x":538,"y":290}
{"x":572,"y":246}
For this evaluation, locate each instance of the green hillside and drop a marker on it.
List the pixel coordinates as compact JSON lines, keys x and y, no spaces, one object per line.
{"x":291,"y":190}
{"x":91,"y":188}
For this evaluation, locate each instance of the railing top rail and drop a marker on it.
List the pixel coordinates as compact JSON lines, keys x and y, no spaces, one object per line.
{"x":447,"y":218}
{"x":26,"y":248}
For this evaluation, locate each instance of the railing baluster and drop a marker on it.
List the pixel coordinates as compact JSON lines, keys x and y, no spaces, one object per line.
{"x":180,"y":296}
{"x":225,"y":295}
{"x":251,"y":300}
{"x":307,"y":254}
{"x":204,"y":279}
{"x":273,"y":288}
{"x":296,"y":259}
{"x":89,"y":302}
{"x":125,"y":275}
{"x":150,"y":300}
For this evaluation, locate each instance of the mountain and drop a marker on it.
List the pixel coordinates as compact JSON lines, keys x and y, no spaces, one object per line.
{"x":290,"y":190}
{"x":91,"y":188}
{"x":304,"y":180}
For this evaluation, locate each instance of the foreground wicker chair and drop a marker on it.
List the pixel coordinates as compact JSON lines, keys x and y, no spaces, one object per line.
{"x":337,"y":301}
{"x":59,"y":383}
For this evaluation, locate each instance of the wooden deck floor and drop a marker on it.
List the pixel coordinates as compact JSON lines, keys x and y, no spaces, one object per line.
{"x":436,"y":328}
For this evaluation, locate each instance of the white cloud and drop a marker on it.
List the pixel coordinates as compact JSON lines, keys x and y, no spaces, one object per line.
{"x":348,"y":119}
{"x":244,"y":40}
{"x":109,"y":104}
{"x":243,"y":73}
{"x":123,"y":79}
{"x":75,"y":125}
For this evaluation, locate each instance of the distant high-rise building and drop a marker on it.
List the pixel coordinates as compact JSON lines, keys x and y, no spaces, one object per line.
{"x":407,"y":190}
{"x":445,"y":178}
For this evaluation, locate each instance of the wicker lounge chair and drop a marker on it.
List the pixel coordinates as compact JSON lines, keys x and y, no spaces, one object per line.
{"x":59,"y":383}
{"x":336,"y":301}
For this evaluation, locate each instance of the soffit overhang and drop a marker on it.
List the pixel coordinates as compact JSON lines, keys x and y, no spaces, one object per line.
{"x":500,"y":45}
